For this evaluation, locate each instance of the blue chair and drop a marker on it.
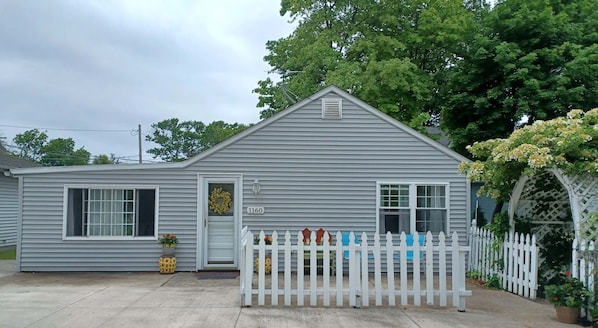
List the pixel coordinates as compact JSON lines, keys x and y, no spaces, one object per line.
{"x":409,"y":240}
{"x":346,"y":237}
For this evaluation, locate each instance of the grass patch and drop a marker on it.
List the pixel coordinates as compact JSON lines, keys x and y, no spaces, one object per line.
{"x":9,"y":254}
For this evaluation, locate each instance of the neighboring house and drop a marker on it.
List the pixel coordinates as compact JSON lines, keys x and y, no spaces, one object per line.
{"x":329,"y":161}
{"x":483,"y":205}
{"x":9,"y":201}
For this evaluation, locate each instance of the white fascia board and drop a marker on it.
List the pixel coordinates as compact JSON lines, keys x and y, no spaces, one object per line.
{"x":92,"y":168}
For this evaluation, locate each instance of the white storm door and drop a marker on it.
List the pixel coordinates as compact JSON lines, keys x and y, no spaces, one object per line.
{"x":220,"y":222}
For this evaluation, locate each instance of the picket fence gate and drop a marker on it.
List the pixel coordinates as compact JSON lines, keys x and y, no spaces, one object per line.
{"x":365,"y":261}
{"x":513,"y":260}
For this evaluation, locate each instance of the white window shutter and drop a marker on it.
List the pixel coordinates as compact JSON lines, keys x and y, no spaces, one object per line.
{"x":332,"y":109}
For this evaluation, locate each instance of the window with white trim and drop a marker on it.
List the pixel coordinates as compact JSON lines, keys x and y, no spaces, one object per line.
{"x":128,"y":212}
{"x":412,"y":207}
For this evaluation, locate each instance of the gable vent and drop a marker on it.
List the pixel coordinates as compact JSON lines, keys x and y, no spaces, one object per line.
{"x":332,"y":109}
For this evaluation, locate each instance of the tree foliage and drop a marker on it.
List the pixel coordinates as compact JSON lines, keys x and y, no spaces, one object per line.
{"x":30,"y":144}
{"x":531,"y":60}
{"x":392,"y":54}
{"x":104,"y":159}
{"x":218,"y":131}
{"x":568,"y":143}
{"x":61,"y":152}
{"x":179,"y":140}
{"x":34,"y":145}
{"x":480,"y":71}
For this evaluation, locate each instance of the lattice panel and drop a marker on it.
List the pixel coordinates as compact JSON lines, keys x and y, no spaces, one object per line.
{"x":545,"y":203}
{"x":585,"y":189}
{"x":556,"y":209}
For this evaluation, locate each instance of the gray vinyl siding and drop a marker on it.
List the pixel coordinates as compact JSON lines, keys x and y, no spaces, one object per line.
{"x":313,"y":173}
{"x":43,"y":248}
{"x":323,"y":173}
{"x":8,"y":211}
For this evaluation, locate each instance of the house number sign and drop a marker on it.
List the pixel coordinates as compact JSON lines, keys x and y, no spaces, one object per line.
{"x":255,"y":210}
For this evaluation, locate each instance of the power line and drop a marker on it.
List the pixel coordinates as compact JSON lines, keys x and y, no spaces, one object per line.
{"x":63,"y":129}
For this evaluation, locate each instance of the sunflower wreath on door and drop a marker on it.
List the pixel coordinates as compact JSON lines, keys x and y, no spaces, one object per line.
{"x":220,"y":201}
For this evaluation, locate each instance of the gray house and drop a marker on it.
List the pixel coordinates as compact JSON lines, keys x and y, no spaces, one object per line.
{"x":329,"y":161}
{"x":9,"y":204}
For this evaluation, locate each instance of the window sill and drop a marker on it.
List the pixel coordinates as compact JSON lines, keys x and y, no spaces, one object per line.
{"x":110,"y":238}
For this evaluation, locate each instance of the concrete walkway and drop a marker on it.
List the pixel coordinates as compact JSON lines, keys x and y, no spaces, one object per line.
{"x":181,"y":300}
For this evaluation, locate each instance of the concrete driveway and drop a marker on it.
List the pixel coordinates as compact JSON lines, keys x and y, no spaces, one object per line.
{"x":181,"y":300}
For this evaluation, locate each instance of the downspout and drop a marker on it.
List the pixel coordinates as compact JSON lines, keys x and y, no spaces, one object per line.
{"x":8,"y":173}
{"x":19,"y":224}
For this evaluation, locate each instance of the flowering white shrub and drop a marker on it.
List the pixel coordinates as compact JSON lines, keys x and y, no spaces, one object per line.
{"x":569,"y":143}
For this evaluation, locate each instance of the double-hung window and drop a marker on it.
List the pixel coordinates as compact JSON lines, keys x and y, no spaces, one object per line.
{"x":110,"y":212}
{"x":412,"y":207}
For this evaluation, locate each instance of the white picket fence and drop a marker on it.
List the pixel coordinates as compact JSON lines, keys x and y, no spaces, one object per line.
{"x":441,"y":260}
{"x":514,"y":260}
{"x":585,"y":265}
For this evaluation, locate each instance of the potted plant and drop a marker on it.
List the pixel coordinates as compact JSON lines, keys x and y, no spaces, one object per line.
{"x":568,"y":296}
{"x":268,"y":259}
{"x":168,"y":242}
{"x":593,"y":312}
{"x":167,"y":262}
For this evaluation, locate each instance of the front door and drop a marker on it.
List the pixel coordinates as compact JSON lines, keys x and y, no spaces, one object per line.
{"x":220,"y":222}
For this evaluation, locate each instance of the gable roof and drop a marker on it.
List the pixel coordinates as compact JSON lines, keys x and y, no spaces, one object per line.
{"x":343,"y":94}
{"x":328,"y":90}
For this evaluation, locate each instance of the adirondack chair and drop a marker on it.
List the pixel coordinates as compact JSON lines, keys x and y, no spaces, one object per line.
{"x":346,"y":237}
{"x":409,"y":240}
{"x":320,"y":256}
{"x":306,"y":235}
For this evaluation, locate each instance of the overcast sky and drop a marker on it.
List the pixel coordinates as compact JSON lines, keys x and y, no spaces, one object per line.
{"x":68,"y":66}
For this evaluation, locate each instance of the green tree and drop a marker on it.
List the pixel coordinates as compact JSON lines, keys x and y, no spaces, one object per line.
{"x":532,"y":60}
{"x":181,"y":140}
{"x":35,"y":146}
{"x":104,"y":159}
{"x":30,"y":144}
{"x":218,"y":131}
{"x":392,"y":54}
{"x":178,"y":140}
{"x":61,"y":152}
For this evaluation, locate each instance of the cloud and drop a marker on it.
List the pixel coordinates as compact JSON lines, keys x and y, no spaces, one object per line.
{"x":95,"y":65}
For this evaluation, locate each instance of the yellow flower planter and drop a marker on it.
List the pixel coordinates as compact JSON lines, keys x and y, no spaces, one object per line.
{"x":267,"y":265}
{"x":167,"y":264}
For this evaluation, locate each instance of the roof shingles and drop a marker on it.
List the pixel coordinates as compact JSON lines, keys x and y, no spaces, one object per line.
{"x":8,"y":161}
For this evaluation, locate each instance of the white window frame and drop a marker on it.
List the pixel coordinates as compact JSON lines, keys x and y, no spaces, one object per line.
{"x":109,"y":187}
{"x":413,"y":202}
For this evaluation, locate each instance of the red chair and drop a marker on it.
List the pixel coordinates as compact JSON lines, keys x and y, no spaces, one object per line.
{"x":306,"y":235}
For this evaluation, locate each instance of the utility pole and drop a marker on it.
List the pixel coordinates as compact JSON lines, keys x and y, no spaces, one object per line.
{"x":139,"y":137}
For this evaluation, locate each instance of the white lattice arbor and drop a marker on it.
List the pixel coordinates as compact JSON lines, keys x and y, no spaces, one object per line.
{"x":554,"y":201}
{"x":578,"y":194}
